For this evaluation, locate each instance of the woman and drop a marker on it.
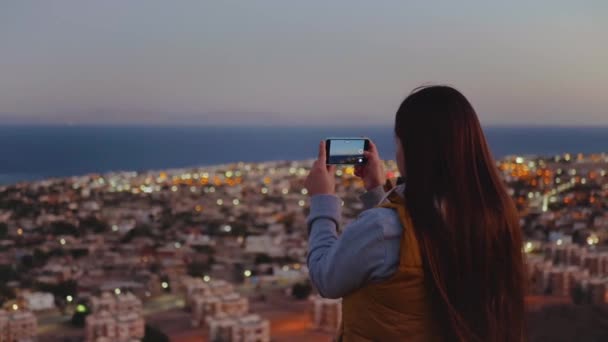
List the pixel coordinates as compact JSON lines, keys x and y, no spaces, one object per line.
{"x":439,"y":257}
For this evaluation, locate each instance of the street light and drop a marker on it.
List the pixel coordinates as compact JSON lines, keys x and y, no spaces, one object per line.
{"x":206,"y":278}
{"x":15,"y":307}
{"x":247,"y":273}
{"x":69,"y":298}
{"x":164,"y":285}
{"x":117,"y":291}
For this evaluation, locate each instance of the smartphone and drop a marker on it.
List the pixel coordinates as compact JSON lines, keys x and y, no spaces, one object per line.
{"x":346,"y":151}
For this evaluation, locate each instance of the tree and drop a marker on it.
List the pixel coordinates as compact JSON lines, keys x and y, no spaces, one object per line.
{"x":154,"y":335}
{"x":40,"y":257}
{"x":61,"y":290}
{"x":6,"y":293}
{"x":301,"y":291}
{"x":80,"y":314}
{"x":196,"y":269}
{"x":94,"y":224}
{"x":3,"y":231}
{"x":7,"y":273}
{"x":64,"y":228}
{"x":577,"y":294}
{"x":262,"y":258}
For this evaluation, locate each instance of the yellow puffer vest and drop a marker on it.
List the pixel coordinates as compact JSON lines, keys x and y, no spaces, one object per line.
{"x":398,"y":308}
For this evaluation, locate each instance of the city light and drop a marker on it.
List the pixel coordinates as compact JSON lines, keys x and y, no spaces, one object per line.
{"x":247,"y":273}
{"x":114,"y":228}
{"x":519,"y":160}
{"x":285,"y":268}
{"x":264,"y":190}
{"x":19,"y":231}
{"x":219,"y":202}
{"x":198,"y":208}
{"x":227,"y":228}
{"x":559,"y":242}
{"x":164,"y":285}
{"x":15,"y":307}
{"x":174,"y":188}
{"x":301,"y":203}
{"x":117,"y":291}
{"x":206,"y":278}
{"x":593,"y":240}
{"x":62,"y":241}
{"x":69,"y":299}
{"x":236,"y":201}
{"x":339,"y":173}
{"x":81,"y":308}
{"x":177,"y":245}
{"x":304,"y":191}
{"x":285,"y":191}
{"x":528,"y":247}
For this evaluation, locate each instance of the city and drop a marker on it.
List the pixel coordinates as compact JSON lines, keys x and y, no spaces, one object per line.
{"x":219,"y":253}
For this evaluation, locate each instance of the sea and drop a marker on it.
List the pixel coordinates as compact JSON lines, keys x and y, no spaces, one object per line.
{"x":30,"y":153}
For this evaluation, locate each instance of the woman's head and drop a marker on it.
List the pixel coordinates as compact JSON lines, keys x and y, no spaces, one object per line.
{"x":472,"y":246}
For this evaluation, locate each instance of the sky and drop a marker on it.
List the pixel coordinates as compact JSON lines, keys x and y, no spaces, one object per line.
{"x":294,"y":63}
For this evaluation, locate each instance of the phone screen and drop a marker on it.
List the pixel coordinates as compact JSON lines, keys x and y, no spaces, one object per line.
{"x":346,"y":151}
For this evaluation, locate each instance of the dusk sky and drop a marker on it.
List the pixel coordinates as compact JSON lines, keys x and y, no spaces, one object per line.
{"x":306,"y":62}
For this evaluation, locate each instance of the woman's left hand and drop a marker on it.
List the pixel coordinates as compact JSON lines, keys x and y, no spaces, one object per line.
{"x":321,"y":179}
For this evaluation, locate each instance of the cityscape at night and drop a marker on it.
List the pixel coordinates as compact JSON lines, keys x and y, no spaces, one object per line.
{"x":184,"y":251}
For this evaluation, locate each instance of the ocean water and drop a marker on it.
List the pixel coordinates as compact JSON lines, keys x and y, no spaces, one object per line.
{"x":37,"y":152}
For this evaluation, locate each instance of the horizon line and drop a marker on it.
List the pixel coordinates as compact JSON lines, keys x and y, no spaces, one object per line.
{"x":281,"y":125}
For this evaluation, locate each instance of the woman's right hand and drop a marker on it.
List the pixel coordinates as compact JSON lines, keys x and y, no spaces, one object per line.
{"x":372,"y":173}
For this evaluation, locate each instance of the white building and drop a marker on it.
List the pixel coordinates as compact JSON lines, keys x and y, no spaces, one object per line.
{"x":116,"y":318}
{"x":326,"y":314}
{"x":263,"y":244}
{"x":37,"y":301}
{"x":249,"y":328}
{"x":206,"y":306}
{"x":17,"y":326}
{"x":3,"y":325}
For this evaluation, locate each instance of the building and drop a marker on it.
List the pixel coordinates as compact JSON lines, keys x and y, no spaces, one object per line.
{"x":37,"y":301}
{"x":105,"y":302}
{"x":248,"y":328}
{"x":3,"y":325}
{"x":326,"y":314}
{"x":598,"y":291}
{"x":17,"y":326}
{"x":116,"y":318}
{"x":211,"y":305}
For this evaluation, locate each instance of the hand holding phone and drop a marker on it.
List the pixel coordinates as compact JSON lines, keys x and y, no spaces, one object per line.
{"x":372,"y":172}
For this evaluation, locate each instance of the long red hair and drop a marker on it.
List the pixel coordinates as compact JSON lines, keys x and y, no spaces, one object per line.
{"x":467,"y":225}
